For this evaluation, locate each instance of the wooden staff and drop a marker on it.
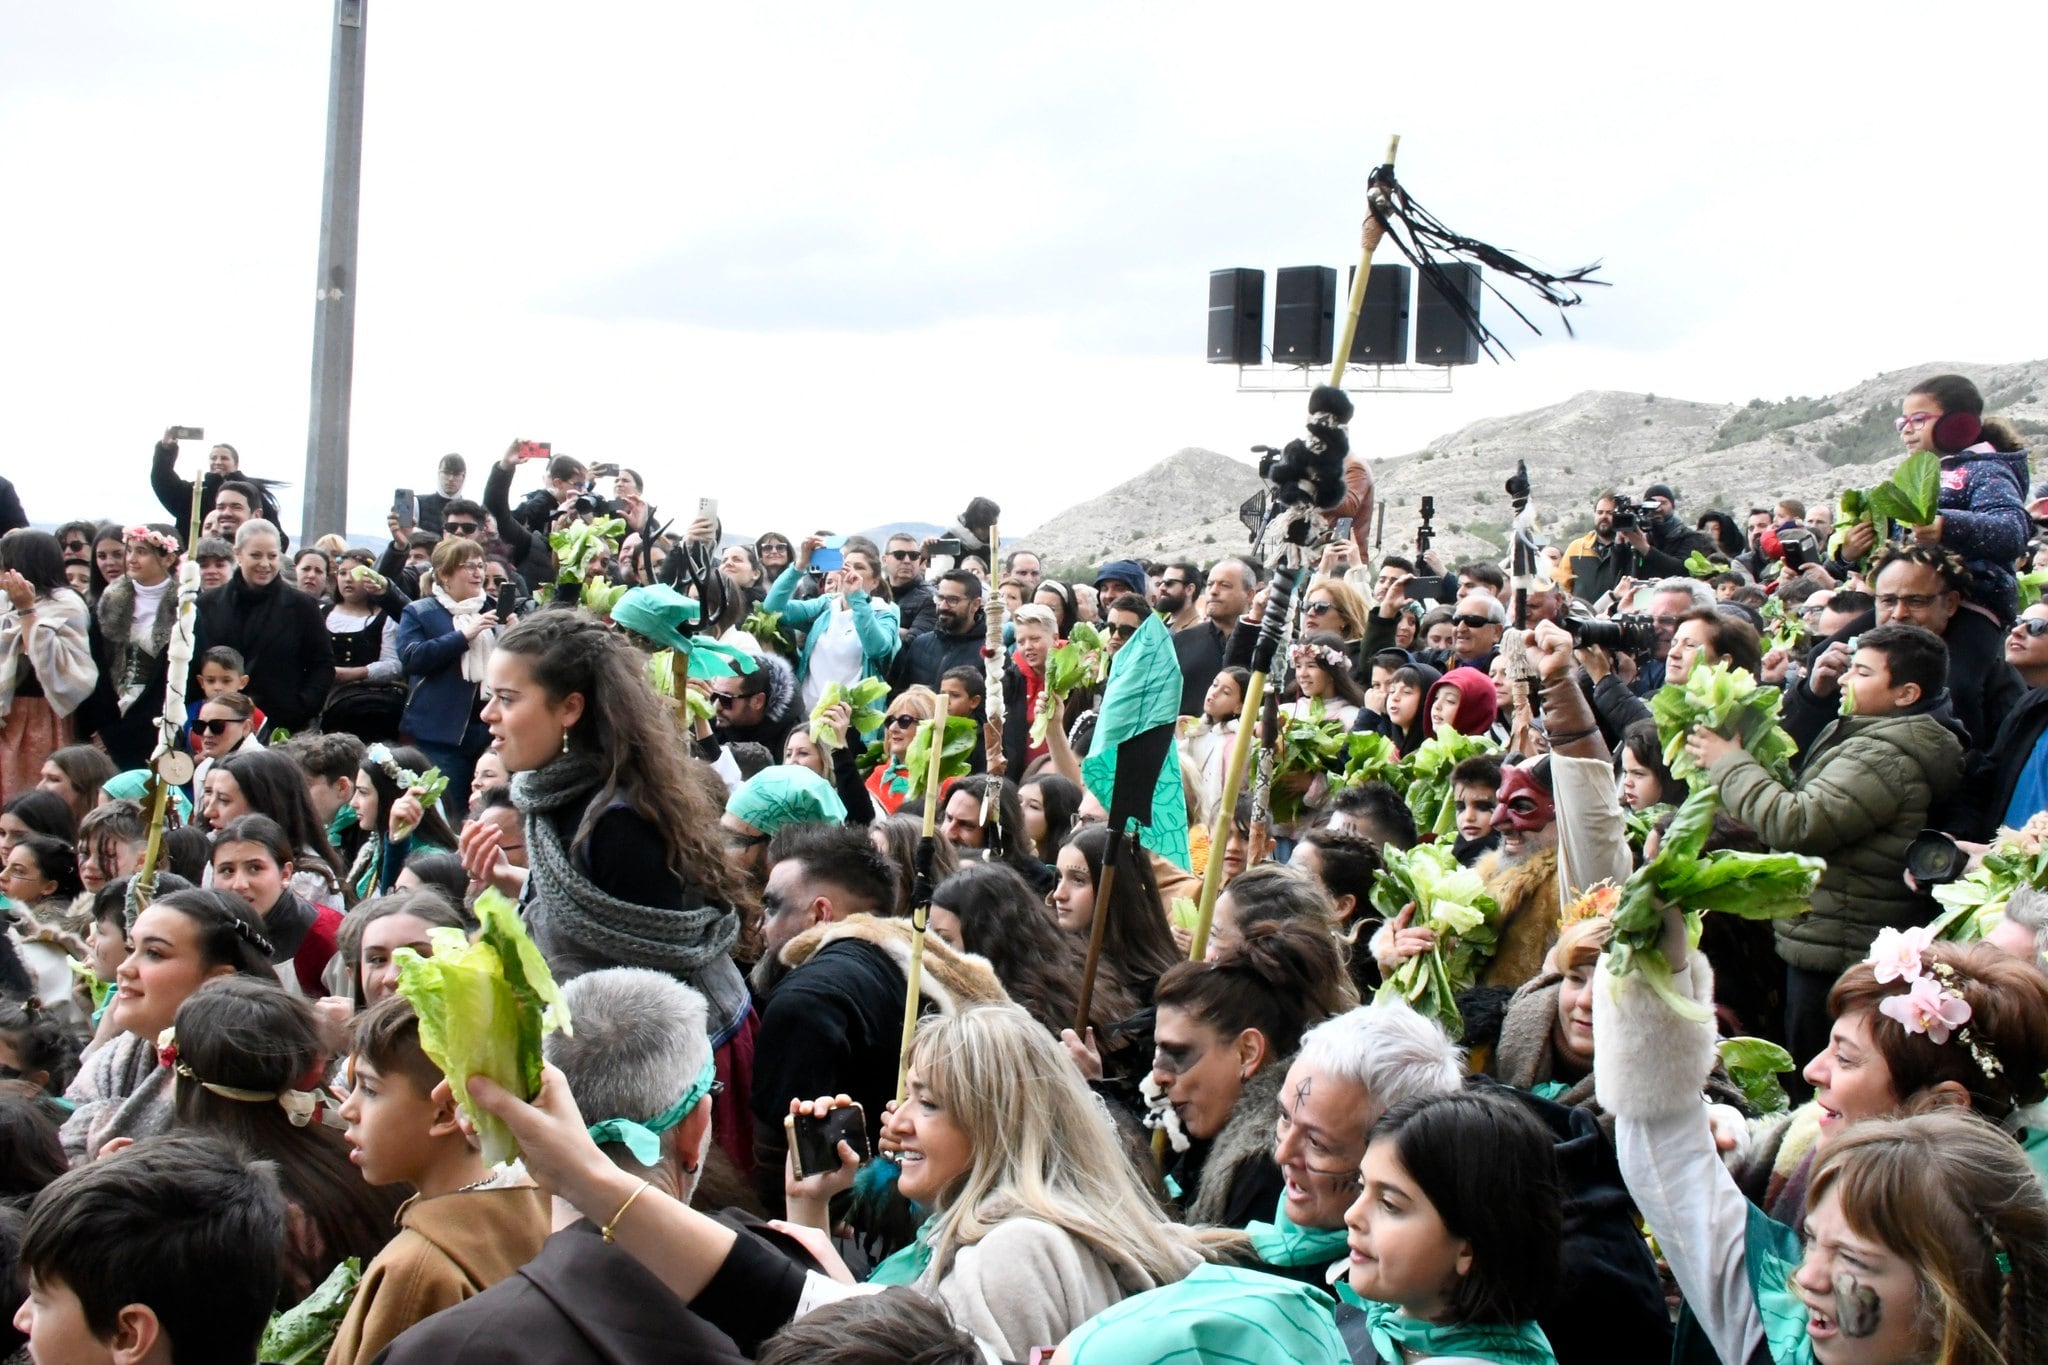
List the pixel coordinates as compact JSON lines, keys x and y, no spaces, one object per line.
{"x":992,"y":667}
{"x":166,"y":761}
{"x":1277,"y":607}
{"x":921,"y":910}
{"x":1100,"y":925}
{"x":1370,"y":238}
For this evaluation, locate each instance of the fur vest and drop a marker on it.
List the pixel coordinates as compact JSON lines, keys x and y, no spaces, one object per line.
{"x":116,"y":611}
{"x":1246,"y":1138}
{"x":1527,"y":892}
{"x":950,"y":980}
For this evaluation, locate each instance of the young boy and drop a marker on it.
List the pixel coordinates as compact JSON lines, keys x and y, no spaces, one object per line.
{"x":964,"y":689}
{"x":171,"y":1250}
{"x":1475,"y":789}
{"x":1862,"y":793}
{"x":459,"y":1235}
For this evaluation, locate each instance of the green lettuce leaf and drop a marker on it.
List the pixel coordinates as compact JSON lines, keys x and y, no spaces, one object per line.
{"x":1308,"y":745}
{"x":1755,"y":1064}
{"x":869,"y":699}
{"x":575,"y":546}
{"x":1428,"y":785}
{"x":955,"y":753}
{"x":483,"y":1009}
{"x":1371,"y":757}
{"x":766,"y":628}
{"x":1699,"y":566}
{"x":432,"y":785}
{"x":2030,"y":585}
{"x":1452,"y":900}
{"x":1730,"y":702}
{"x":304,"y":1333}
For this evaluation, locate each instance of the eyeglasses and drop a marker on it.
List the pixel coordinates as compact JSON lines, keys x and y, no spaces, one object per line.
{"x":1176,"y":583}
{"x":460,"y":528}
{"x":905,"y":556}
{"x":75,"y":547}
{"x":2035,"y":626}
{"x":214,"y":727}
{"x":1324,"y":608}
{"x":1915,"y":420}
{"x":1117,"y":632}
{"x":1671,"y":621}
{"x":1911,"y":601}
{"x":1473,"y":622}
{"x":901,"y":722}
{"x":951,"y":600}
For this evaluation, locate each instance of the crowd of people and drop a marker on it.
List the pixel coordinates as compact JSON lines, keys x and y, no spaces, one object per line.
{"x":691,"y":761}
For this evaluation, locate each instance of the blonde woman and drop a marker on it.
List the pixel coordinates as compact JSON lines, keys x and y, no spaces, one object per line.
{"x":889,"y":783}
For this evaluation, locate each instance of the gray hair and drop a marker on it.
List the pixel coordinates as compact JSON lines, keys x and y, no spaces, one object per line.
{"x":2028,"y":908}
{"x":1390,"y":1050}
{"x":256,"y":526}
{"x":639,"y":1043}
{"x":1700,"y":593}
{"x":1496,"y":611}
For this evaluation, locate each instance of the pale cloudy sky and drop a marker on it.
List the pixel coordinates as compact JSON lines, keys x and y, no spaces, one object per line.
{"x":856,"y":263}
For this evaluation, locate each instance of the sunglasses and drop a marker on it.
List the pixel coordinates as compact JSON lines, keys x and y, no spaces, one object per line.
{"x":905,"y":556}
{"x":460,"y":528}
{"x":1117,"y":632}
{"x":214,"y":727}
{"x":2035,"y":626}
{"x":1470,"y":622}
{"x":901,"y":722}
{"x":1319,"y":608}
{"x":731,"y":698}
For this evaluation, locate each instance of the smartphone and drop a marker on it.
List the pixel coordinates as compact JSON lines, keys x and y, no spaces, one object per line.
{"x":187,"y":434}
{"x":536,"y":450}
{"x":707,"y":509}
{"x":945,"y":545}
{"x":606,"y":470}
{"x":406,"y":507}
{"x":508,"y":601}
{"x":814,"y":1142}
{"x":829,"y":556}
{"x":1342,"y":530}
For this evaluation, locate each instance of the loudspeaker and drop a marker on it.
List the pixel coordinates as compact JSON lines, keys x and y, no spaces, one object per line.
{"x":1441,"y":336}
{"x":1382,"y":335}
{"x":1237,"y":316}
{"x":1304,"y":310}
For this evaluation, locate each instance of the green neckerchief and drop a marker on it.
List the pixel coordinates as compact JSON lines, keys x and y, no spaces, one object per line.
{"x":1548,"y":1090}
{"x":1283,"y":1242}
{"x":344,"y":820}
{"x":908,"y":1265}
{"x":2034,"y":1142}
{"x":1772,"y":1253}
{"x":1393,"y":1332}
{"x":643,"y":1140}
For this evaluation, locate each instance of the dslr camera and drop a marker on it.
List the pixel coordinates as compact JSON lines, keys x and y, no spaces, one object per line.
{"x":1631,"y":634}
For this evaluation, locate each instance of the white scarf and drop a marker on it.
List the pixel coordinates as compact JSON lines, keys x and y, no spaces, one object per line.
{"x":465,"y":613}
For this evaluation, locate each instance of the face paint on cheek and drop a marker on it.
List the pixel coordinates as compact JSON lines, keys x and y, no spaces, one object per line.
{"x":1858,"y":1310}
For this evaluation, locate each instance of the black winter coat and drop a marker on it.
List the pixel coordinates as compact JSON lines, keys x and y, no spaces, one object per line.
{"x":281,"y":634}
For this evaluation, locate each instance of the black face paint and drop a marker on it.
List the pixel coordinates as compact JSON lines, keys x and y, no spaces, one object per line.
{"x":1858,"y":1311}
{"x":1301,"y":1094}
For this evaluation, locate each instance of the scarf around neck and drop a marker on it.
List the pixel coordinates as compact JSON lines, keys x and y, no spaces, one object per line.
{"x":1283,"y":1242}
{"x":1393,"y":1333}
{"x":465,"y":611}
{"x":580,"y":927}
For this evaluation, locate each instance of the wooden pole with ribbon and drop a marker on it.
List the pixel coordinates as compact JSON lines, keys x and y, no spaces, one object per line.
{"x":1370,"y":235}
{"x":170,"y":766}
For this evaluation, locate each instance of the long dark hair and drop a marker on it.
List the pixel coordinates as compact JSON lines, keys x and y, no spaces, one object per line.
{"x":106,"y":533}
{"x":1278,"y":979}
{"x":1061,"y":798}
{"x":260,"y":1038}
{"x":627,"y":730}
{"x":38,"y":557}
{"x":1343,"y":682}
{"x":1004,"y":920}
{"x":1136,"y":944}
{"x":275,"y":786}
{"x":433,"y":826}
{"x":1642,"y":740}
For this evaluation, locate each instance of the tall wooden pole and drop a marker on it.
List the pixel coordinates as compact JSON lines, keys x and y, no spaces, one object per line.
{"x":334,"y":290}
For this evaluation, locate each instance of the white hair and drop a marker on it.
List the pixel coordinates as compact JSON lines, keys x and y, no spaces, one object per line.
{"x":640,"y":1042}
{"x":256,"y":526}
{"x":2028,"y":908}
{"x":1032,"y":614}
{"x":1496,"y":612}
{"x":1700,"y":593}
{"x":1390,"y":1050}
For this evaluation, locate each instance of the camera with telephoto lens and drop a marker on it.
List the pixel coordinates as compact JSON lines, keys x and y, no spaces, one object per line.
{"x":1635,"y":635}
{"x":1935,"y":859}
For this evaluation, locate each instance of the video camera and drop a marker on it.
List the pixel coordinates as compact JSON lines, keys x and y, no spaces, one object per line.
{"x":1630,"y":634}
{"x":1629,"y":516}
{"x":1426,"y":532}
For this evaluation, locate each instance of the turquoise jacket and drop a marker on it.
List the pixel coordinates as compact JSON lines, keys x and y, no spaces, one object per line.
{"x":874,"y":622}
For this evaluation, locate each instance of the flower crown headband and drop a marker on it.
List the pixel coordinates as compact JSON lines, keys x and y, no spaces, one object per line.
{"x":144,"y":535}
{"x":382,"y":757}
{"x":1329,"y":657}
{"x":300,"y":1106}
{"x":1933,"y":1003}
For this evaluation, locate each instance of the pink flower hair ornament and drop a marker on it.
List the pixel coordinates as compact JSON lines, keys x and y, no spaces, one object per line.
{"x":1932,"y":1003}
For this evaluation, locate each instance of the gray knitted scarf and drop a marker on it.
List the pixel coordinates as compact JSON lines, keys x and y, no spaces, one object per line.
{"x":579,"y":927}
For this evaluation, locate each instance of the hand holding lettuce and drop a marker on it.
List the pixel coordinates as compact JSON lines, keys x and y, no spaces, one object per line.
{"x":1975,"y":904}
{"x":1451,"y":900}
{"x":304,"y":1333}
{"x":1429,"y":769}
{"x":1309,"y":746}
{"x":1683,"y":875}
{"x":1082,"y":660}
{"x":1729,"y":702}
{"x":1912,"y":496}
{"x":483,"y":1009}
{"x":869,"y":699}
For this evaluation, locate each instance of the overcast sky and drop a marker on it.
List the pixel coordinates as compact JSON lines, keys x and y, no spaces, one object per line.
{"x":848,"y":264}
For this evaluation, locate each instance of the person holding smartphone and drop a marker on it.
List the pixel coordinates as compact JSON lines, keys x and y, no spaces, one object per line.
{"x":851,"y":626}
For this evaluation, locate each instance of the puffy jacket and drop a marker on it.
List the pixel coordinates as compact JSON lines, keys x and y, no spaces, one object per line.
{"x":1862,"y":793}
{"x":1984,"y":519}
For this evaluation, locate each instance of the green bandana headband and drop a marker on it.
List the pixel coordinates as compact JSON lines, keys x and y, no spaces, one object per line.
{"x":643,"y":1140}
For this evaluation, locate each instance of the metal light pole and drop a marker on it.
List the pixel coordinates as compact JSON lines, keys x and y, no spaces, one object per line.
{"x":334,"y":307}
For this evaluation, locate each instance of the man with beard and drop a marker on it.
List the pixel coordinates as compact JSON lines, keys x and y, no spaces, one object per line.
{"x":759,"y":707}
{"x":1178,"y":596}
{"x":1616,"y":548}
{"x":955,"y":640}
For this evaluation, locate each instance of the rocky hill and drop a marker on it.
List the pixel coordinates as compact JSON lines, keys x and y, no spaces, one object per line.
{"x":1724,"y":455}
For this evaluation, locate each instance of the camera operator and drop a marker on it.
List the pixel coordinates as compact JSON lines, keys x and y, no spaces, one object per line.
{"x":1623,"y":545}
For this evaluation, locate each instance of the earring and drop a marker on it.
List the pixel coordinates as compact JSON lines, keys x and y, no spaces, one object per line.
{"x":565,"y":740}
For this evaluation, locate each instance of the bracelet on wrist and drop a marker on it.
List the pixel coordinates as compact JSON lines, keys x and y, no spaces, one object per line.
{"x":612,"y":1226}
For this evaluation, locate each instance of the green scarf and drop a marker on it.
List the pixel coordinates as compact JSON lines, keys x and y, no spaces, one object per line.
{"x":1394,"y":1332}
{"x":1283,"y":1242}
{"x":908,"y":1265}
